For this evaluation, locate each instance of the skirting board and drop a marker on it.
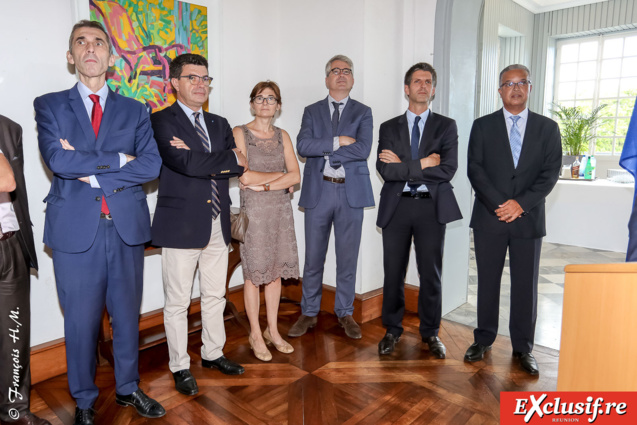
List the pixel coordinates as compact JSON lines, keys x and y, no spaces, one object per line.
{"x":49,"y":359}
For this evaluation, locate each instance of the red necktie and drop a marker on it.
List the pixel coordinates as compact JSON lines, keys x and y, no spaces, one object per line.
{"x":96,"y":120}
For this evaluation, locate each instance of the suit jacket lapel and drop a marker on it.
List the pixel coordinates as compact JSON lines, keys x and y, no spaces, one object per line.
{"x":403,"y":137}
{"x":527,"y":144}
{"x":324,"y":110}
{"x":193,"y":141}
{"x":347,"y":112}
{"x":427,"y":135}
{"x":77,"y":105}
{"x":110,"y":110}
{"x":210,"y":127}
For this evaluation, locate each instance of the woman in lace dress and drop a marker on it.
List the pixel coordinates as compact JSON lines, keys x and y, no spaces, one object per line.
{"x":269,"y":252}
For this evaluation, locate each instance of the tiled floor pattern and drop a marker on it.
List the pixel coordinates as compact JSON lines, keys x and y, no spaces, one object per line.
{"x":550,"y":290}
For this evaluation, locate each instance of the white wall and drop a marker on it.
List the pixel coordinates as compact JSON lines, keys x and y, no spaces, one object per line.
{"x":287,"y":41}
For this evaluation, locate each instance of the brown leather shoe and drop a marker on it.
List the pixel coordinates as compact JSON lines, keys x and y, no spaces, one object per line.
{"x":302,"y":325}
{"x":28,"y":419}
{"x":352,"y":329}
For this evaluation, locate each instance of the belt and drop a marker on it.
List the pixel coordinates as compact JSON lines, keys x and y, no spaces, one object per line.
{"x":5,"y":236}
{"x":339,"y":180}
{"x":417,"y":195}
{"x":106,"y":216}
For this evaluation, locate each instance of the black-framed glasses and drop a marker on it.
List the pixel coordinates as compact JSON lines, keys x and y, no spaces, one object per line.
{"x":339,"y":71}
{"x":196,"y":79}
{"x":520,"y":84}
{"x":270,"y":100}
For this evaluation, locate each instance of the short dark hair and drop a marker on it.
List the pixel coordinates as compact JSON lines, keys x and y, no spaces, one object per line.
{"x":514,"y":67}
{"x":85,"y":23}
{"x":266,"y":85}
{"x":178,"y":63}
{"x":422,"y":66}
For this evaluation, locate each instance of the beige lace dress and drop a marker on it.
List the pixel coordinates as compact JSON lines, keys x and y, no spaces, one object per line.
{"x":270,"y":249}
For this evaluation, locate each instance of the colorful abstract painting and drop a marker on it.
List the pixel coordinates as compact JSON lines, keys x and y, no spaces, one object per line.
{"x":146,"y":36}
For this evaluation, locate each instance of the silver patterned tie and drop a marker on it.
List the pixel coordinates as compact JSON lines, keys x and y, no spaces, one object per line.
{"x":216,"y":205}
{"x":515,"y":140}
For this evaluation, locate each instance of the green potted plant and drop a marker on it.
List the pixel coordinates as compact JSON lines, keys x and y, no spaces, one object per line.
{"x":576,"y":127}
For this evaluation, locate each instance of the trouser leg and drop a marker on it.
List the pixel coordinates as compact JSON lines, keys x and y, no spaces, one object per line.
{"x":15,"y":326}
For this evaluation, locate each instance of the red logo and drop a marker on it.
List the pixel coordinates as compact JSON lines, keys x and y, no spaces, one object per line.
{"x":611,"y":408}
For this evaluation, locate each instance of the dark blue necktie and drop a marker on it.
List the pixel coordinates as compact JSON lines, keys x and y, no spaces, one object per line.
{"x":335,"y":117}
{"x":415,"y":140}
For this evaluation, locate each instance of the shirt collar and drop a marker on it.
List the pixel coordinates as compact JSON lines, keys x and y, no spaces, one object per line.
{"x":187,"y":110}
{"x":411,"y":117}
{"x":524,"y":114}
{"x":85,"y":92}
{"x":330,"y":99}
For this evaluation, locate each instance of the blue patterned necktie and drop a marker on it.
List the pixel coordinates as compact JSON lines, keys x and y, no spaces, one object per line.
{"x":415,"y":141}
{"x":216,"y":205}
{"x":515,"y":140}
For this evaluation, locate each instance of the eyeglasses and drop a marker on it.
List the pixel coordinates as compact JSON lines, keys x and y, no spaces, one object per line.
{"x":339,"y":71}
{"x":196,"y":79}
{"x":520,"y":84}
{"x":270,"y":100}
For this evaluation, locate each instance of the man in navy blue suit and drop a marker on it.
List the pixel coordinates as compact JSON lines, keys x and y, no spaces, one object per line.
{"x":336,"y":138}
{"x":192,"y":218}
{"x":100,"y":147}
{"x":417,"y":158}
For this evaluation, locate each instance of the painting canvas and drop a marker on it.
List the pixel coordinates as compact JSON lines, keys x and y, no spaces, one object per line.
{"x":146,"y":36}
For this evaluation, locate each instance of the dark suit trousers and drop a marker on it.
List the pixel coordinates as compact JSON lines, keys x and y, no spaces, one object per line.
{"x":110,"y":273}
{"x":524,"y":264}
{"x":15,"y":329}
{"x":413,"y":218}
{"x":332,"y":208}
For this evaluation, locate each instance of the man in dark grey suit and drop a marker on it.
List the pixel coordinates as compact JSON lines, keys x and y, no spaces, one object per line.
{"x":17,"y":255}
{"x":417,"y":158}
{"x":336,"y":138}
{"x":514,"y":162}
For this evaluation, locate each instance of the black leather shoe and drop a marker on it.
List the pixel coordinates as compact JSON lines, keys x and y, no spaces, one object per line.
{"x":387,"y":344}
{"x":145,"y":406}
{"x":226,"y":366}
{"x":476,"y":352}
{"x":528,"y":363}
{"x":84,"y":416}
{"x":185,"y":383}
{"x":436,"y":347}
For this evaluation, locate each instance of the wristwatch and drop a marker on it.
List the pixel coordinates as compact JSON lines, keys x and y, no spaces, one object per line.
{"x":266,"y":187}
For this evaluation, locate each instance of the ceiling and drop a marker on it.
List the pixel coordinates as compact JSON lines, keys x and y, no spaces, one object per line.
{"x":540,"y":6}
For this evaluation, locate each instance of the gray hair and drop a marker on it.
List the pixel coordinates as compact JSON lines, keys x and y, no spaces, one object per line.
{"x":514,"y":67}
{"x":343,"y":58}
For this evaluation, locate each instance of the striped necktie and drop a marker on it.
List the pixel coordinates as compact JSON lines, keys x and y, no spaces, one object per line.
{"x":515,"y":140}
{"x":216,"y":205}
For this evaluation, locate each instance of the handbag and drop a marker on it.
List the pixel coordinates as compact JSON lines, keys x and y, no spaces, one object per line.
{"x":239,"y":222}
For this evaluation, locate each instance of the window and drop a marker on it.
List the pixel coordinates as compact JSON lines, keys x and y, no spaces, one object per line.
{"x":598,"y":70}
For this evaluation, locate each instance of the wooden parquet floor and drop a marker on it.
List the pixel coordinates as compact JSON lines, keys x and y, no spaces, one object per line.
{"x":329,"y":379}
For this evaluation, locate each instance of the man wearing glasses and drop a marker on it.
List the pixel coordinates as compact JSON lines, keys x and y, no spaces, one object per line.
{"x":513,"y":163}
{"x":192,"y":217}
{"x":336,"y":138}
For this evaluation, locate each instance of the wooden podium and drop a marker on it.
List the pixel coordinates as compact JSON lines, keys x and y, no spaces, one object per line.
{"x":599,"y":328}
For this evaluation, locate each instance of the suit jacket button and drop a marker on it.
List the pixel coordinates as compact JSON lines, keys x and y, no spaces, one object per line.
{"x":209,"y":201}
{"x":114,"y":190}
{"x":108,"y":166}
{"x":97,"y":198}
